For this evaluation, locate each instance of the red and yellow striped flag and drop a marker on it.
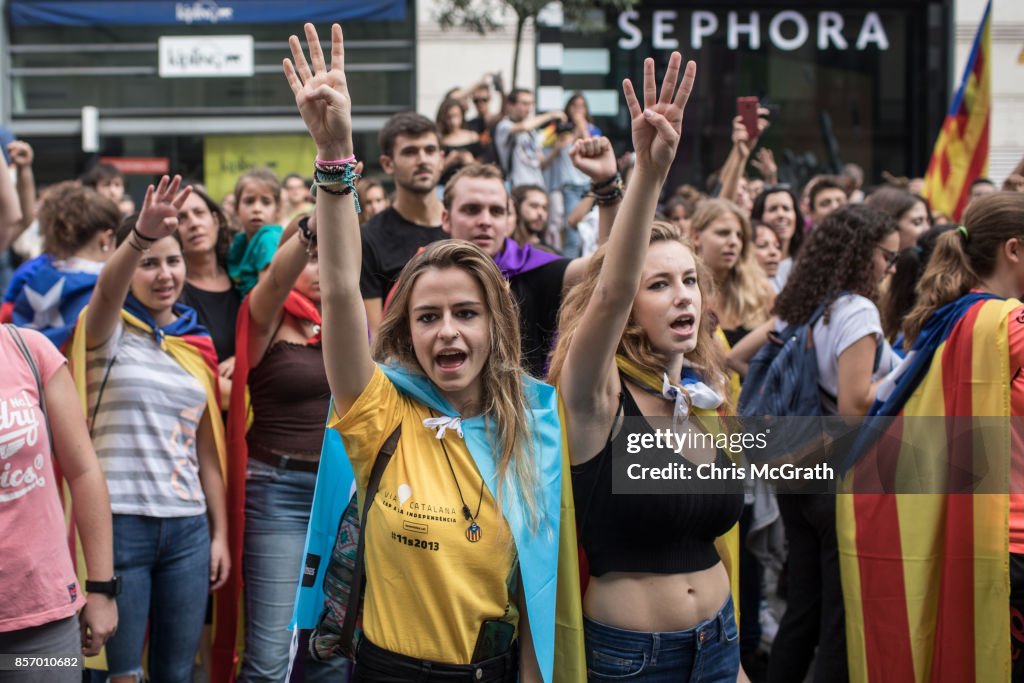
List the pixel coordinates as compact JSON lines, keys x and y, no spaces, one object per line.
{"x":960,"y":155}
{"x":925,"y":574}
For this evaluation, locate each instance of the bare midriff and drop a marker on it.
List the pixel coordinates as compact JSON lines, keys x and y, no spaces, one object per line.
{"x":656,"y":602}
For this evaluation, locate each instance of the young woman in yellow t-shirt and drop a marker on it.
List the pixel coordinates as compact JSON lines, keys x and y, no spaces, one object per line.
{"x":443,"y":592}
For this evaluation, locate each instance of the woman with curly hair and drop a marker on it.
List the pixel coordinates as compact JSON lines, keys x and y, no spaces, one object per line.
{"x":839,"y":271}
{"x":778,"y":207}
{"x":48,"y":292}
{"x":744,"y":297}
{"x":205,"y":237}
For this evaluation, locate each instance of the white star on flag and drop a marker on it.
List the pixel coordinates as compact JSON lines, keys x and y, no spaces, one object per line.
{"x":46,"y":307}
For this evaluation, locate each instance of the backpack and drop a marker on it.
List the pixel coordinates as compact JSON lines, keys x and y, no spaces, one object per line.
{"x":336,"y":633}
{"x":782,"y":382}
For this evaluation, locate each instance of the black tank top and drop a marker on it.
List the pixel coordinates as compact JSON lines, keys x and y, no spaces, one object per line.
{"x":661,"y":534}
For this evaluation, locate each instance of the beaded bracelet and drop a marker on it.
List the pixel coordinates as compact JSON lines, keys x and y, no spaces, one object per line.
{"x":344,"y":177}
{"x":608,"y":198}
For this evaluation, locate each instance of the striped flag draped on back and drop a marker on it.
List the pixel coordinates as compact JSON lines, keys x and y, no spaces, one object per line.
{"x":960,"y":155}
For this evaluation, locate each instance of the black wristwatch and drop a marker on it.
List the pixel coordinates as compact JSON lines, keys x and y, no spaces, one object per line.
{"x":111,"y":588}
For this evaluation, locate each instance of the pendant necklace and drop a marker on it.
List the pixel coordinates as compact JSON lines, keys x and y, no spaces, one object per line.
{"x":473,"y":532}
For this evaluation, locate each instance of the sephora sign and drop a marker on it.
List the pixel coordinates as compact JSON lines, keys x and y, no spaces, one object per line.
{"x":784,"y":30}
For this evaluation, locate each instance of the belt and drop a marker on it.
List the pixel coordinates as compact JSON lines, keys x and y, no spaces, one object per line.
{"x":374,"y":664}
{"x":284,"y":462}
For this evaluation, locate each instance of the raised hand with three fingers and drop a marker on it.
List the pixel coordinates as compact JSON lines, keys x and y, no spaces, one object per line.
{"x":658,"y":124}
{"x":160,"y":208}
{"x":321,"y":94}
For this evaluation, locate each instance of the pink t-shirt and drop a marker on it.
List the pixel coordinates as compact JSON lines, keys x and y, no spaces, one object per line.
{"x":35,"y":563}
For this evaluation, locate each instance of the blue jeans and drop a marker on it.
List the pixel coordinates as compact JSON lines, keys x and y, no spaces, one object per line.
{"x":164,"y":565}
{"x":277,"y":505}
{"x":707,"y":653}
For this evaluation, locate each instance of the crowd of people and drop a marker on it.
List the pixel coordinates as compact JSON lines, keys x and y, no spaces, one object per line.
{"x":201,"y":386}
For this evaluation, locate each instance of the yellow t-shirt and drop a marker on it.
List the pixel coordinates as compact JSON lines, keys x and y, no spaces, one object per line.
{"x":428,"y":587}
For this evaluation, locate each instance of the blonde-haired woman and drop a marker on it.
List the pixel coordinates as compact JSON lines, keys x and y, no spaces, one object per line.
{"x":461,"y":539}
{"x":658,"y":605}
{"x":721,"y":233}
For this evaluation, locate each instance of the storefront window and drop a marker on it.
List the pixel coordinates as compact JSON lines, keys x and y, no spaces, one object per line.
{"x":862,"y":82}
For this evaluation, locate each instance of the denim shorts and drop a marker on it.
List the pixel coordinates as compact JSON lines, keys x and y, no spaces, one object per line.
{"x":708,"y":652}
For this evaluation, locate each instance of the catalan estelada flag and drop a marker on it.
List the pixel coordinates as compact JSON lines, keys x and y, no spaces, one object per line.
{"x":960,"y":155}
{"x":925,"y":574}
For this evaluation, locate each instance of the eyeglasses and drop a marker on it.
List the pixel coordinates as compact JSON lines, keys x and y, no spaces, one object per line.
{"x":891,"y":257}
{"x":778,"y":187}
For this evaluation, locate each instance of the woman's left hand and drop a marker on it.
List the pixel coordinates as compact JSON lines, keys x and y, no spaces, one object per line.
{"x":658,"y":125}
{"x":159,"y":215}
{"x":220,"y":562}
{"x":97,"y":622}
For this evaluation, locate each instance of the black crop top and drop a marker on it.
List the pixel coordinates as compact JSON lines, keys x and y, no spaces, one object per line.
{"x":661,"y":534}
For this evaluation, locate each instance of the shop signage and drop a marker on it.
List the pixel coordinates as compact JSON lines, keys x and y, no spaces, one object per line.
{"x":139,"y":165}
{"x":101,"y":13}
{"x":205,"y":56}
{"x":784,"y":30}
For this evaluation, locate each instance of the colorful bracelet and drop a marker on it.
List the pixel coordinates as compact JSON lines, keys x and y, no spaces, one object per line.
{"x":327,"y":177}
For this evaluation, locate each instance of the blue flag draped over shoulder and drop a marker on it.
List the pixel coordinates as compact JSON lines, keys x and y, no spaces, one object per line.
{"x":538,"y":552}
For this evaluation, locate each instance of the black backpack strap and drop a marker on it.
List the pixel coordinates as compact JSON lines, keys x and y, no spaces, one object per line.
{"x":355,"y":592}
{"x":19,"y":341}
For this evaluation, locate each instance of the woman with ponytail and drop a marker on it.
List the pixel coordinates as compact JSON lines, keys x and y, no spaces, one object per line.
{"x":927,"y":579}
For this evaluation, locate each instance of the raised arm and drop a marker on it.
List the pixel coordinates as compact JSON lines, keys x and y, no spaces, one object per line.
{"x":590,"y":364}
{"x":10,"y":212}
{"x":323,"y":100}
{"x":742,"y":146}
{"x":537,"y":120}
{"x":158,"y":219}
{"x":595,"y":158}
{"x":25,"y":182}
{"x":266,"y":302}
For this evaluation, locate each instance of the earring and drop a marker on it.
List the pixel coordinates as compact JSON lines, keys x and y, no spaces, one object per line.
{"x":105,"y":247}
